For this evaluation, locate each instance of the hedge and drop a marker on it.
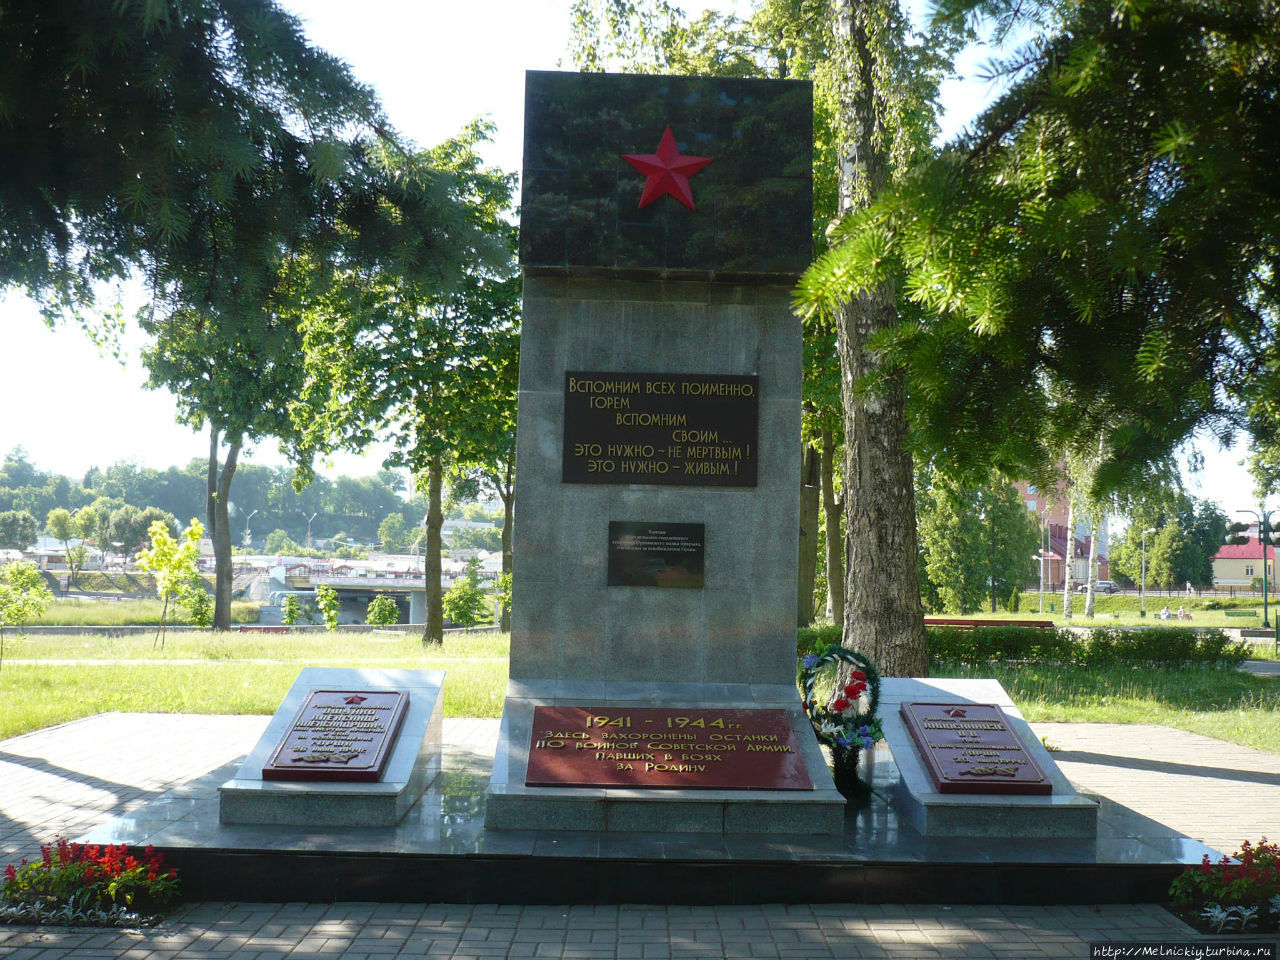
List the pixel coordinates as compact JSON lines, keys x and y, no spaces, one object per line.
{"x":1101,"y":646}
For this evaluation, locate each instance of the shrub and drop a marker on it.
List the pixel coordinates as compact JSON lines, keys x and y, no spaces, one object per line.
{"x":817,"y":639}
{"x":382,"y":611}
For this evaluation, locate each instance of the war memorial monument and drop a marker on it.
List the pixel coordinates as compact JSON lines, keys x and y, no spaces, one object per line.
{"x":652,"y":746}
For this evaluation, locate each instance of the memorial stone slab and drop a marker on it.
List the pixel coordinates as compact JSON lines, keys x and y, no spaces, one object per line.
{"x":1059,"y":811}
{"x":410,"y":734}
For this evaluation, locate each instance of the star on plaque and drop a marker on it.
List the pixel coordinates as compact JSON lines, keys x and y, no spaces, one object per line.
{"x":953,"y":712}
{"x":667,"y":171}
{"x":355,"y":699}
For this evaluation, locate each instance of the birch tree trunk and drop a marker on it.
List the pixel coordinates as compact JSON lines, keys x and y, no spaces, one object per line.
{"x":835,"y":542}
{"x":809,"y":503}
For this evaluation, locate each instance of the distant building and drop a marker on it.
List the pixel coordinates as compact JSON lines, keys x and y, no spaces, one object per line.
{"x":1236,"y":565}
{"x":1050,"y":510}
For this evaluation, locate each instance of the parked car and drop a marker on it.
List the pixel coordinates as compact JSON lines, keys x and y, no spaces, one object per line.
{"x":1101,"y":586}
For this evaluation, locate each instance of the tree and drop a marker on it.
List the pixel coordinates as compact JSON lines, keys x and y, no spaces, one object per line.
{"x":393,"y":533}
{"x":23,"y":596}
{"x":464,"y":601}
{"x":123,"y":119}
{"x":398,"y":349}
{"x":977,"y":542}
{"x":382,"y":611}
{"x":1097,"y":251}
{"x":130,"y":527}
{"x":329,"y":604}
{"x":279,"y":542}
{"x":175,"y":566}
{"x":18,"y":529}
{"x":290,"y":611}
{"x":65,"y":527}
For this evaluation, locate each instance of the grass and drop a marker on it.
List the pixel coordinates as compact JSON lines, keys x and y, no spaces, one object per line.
{"x":1125,"y":610}
{"x":125,"y":613}
{"x":35,"y":695}
{"x":1217,"y":702}
{"x":250,"y":673}
{"x":298,"y":648}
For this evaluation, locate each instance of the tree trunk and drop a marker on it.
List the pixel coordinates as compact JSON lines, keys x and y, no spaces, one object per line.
{"x":507,"y":493}
{"x":433,"y":632}
{"x":1069,"y":551}
{"x":883,"y":618}
{"x":835,"y":542}
{"x":808,"y":536}
{"x":220,"y":483}
{"x":1093,"y":568}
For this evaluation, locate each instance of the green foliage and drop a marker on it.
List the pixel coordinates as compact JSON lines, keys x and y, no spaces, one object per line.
{"x":1059,"y":247}
{"x":197,"y":602}
{"x":279,"y":542}
{"x":176,"y":569}
{"x":382,"y":611}
{"x":23,"y":597}
{"x":84,"y":876}
{"x":327,"y":601}
{"x":394,"y":534}
{"x":18,"y":529}
{"x":476,"y":538}
{"x":976,"y":542}
{"x":290,"y":610}
{"x":464,"y":601}
{"x":1099,"y":648}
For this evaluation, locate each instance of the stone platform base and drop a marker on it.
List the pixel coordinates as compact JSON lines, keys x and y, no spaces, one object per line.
{"x":414,"y":761}
{"x":511,"y":805}
{"x":1064,"y":813}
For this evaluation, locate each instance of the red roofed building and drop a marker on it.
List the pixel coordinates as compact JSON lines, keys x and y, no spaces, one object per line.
{"x":1237,"y":564}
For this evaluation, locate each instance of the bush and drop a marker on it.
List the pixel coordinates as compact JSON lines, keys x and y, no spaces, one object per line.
{"x":1100,"y":647}
{"x":817,"y":639}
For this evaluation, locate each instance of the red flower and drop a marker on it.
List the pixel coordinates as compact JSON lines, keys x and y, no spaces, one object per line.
{"x":10,"y":874}
{"x":841,"y":705}
{"x":858,"y":675}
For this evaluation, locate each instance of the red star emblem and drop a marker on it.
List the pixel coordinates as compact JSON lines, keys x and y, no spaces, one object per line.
{"x":667,"y":171}
{"x":954,"y":712}
{"x":355,"y":698}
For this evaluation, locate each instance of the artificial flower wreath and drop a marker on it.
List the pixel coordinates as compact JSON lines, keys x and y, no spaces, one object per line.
{"x":850,"y":720}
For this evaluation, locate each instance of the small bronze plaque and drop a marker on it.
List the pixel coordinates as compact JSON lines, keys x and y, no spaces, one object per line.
{"x":340,"y":735}
{"x":678,"y":429}
{"x":655,"y":554}
{"x":970,"y":748}
{"x":682,"y":748}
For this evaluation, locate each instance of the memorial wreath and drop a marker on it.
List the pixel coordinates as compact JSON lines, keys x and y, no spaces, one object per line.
{"x":846,"y":720}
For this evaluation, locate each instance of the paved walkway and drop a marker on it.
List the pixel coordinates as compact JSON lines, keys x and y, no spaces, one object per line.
{"x":65,"y":779}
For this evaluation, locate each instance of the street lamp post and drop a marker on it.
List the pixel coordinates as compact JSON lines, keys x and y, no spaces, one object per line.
{"x":1144,"y":568}
{"x":309,"y":519}
{"x":246,"y":527}
{"x":1264,"y":538}
{"x":1043,"y":527}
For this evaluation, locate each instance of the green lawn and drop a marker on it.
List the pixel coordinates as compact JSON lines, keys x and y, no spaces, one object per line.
{"x":250,"y":673}
{"x":236,"y":673}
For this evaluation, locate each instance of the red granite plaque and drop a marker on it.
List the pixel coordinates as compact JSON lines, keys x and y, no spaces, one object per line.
{"x":340,"y":735}
{"x":683,"y":748}
{"x":970,"y":748}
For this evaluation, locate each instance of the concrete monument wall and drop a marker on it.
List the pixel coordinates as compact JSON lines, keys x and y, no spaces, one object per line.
{"x":567,"y":622}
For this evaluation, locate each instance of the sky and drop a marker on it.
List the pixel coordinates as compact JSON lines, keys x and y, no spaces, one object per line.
{"x":436,"y":65}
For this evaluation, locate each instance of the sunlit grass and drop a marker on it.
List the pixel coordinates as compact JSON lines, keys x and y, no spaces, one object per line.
{"x":123,"y":613}
{"x":1218,"y":702}
{"x":233,"y":645}
{"x":234,"y":680}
